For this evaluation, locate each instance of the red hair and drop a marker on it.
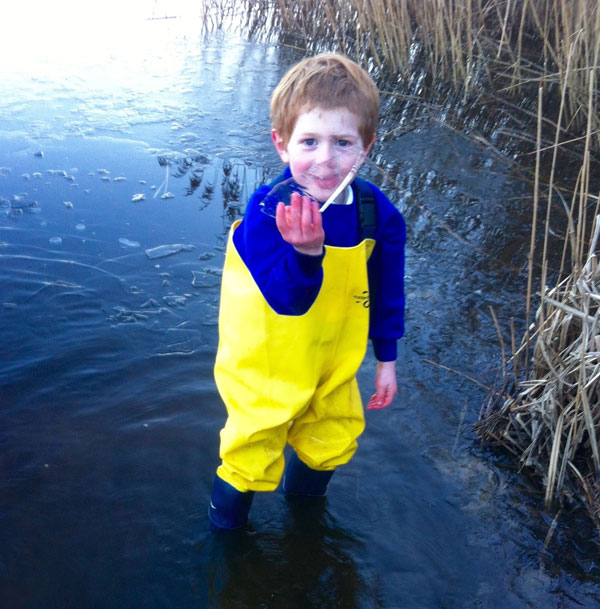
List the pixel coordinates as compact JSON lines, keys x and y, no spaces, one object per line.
{"x":325,"y":81}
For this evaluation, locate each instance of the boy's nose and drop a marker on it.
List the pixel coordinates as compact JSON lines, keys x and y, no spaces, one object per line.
{"x":324,"y":154}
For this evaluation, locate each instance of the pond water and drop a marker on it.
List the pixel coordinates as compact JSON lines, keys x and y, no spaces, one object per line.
{"x":121,"y":171}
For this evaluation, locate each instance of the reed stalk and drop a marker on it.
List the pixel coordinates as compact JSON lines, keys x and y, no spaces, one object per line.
{"x":473,"y":46}
{"x":551,"y":420}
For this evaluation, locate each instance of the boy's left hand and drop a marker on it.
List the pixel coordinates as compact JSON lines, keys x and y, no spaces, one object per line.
{"x":300,"y":224}
{"x":385,"y":386}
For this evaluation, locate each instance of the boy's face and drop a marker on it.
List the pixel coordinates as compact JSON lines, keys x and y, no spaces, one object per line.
{"x":322,"y":149}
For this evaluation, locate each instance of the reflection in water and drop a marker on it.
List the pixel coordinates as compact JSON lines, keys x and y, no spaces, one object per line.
{"x":230,"y":185}
{"x":236,"y":181}
{"x":309,"y":563}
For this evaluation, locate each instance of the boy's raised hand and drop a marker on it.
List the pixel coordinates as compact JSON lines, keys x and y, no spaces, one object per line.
{"x":300,"y":224}
{"x":385,"y":386}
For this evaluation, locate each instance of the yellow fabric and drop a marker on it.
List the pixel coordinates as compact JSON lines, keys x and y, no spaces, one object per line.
{"x":291,"y":378}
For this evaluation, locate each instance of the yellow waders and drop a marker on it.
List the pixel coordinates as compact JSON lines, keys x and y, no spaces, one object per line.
{"x":291,"y":378}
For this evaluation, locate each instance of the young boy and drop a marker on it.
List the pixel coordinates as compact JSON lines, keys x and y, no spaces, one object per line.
{"x":301,"y":294}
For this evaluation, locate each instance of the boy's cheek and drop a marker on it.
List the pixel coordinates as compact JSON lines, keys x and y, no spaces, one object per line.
{"x":298,"y":166}
{"x":300,"y":174}
{"x":284,"y":156}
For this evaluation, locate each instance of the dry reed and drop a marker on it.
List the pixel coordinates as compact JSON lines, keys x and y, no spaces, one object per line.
{"x":550,"y":418}
{"x":479,"y":47}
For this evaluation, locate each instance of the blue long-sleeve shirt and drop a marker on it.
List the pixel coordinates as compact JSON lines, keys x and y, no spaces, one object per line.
{"x":290,"y":281}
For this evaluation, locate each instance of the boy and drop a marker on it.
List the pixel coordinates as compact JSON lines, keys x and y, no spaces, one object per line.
{"x":301,"y":294}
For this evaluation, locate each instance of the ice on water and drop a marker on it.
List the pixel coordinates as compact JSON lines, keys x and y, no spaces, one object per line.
{"x":167,"y":250}
{"x":128,"y":242}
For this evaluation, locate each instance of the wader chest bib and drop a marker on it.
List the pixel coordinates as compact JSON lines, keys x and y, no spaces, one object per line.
{"x":291,"y":378}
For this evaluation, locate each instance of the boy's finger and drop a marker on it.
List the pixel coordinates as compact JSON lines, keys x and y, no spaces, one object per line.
{"x":382,"y":398}
{"x":307,"y":215}
{"x":375,"y":403}
{"x":295,"y":210}
{"x":281,"y":217}
{"x":316,"y":215}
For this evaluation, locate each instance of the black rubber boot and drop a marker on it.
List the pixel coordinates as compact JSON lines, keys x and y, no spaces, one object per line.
{"x":228,"y":507}
{"x":299,"y":479}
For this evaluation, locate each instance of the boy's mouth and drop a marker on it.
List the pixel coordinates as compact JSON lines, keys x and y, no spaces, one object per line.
{"x":327,"y":182}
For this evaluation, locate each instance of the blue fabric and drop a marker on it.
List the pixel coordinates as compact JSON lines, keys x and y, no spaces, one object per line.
{"x":290,"y":281}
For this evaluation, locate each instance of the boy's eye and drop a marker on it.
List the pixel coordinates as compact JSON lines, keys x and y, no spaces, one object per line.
{"x":343,"y":143}
{"x":310,"y":141}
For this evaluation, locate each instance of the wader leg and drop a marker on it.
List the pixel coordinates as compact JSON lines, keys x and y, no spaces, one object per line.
{"x":299,"y":479}
{"x":228,"y":507}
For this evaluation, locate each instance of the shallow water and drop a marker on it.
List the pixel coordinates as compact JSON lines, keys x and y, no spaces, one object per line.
{"x":109,"y":416}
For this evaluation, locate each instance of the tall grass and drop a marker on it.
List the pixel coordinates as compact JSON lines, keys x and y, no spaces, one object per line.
{"x":547,"y":412}
{"x":532,"y":67}
{"x":550,"y":418}
{"x":493,"y":48}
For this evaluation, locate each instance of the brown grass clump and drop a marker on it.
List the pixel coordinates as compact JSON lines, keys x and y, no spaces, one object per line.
{"x":551,"y":421}
{"x":484,"y":50}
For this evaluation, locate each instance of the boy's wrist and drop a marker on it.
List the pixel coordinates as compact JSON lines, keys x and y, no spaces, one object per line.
{"x":309,"y":264}
{"x":310,"y":251}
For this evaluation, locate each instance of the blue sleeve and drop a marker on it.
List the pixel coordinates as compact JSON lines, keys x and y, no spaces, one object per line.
{"x":288,"y":280}
{"x":386,"y":281}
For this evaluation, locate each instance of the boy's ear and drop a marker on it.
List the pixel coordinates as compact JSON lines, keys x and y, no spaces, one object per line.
{"x":280,"y":146}
{"x":368,"y":146}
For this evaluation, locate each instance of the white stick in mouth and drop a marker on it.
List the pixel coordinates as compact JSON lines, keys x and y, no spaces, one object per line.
{"x":349,"y":177}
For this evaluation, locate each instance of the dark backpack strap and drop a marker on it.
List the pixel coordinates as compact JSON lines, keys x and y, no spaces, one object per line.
{"x":365,"y":204}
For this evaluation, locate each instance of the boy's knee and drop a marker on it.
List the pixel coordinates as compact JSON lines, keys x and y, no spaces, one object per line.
{"x":252,"y":474}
